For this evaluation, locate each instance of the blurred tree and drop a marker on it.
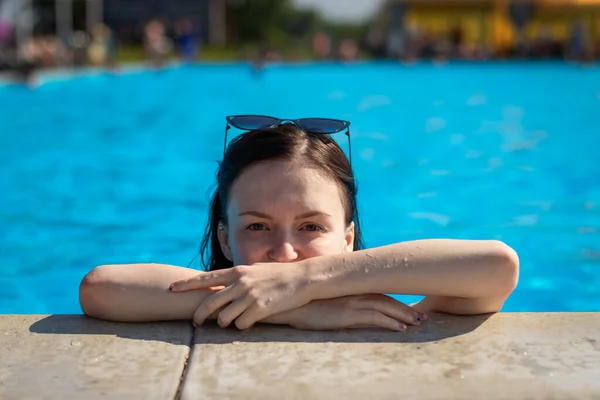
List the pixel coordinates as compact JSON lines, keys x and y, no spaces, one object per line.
{"x":348,"y":30}
{"x":263,"y":25}
{"x":270,"y":21}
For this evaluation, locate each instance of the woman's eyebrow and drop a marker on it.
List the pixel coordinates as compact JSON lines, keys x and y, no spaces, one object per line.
{"x":307,"y":214}
{"x":256,"y":214}
{"x":310,"y":214}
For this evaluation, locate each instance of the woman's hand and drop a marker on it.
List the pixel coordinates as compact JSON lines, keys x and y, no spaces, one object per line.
{"x":251,"y":293}
{"x":349,"y":312}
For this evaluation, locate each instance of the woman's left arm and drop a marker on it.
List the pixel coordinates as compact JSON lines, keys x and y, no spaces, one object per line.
{"x":456,"y":276}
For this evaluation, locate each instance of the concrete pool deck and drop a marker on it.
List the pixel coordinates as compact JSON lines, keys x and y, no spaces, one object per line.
{"x":503,"y":356}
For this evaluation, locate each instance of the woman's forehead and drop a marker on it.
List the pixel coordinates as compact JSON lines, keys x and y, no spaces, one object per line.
{"x":274,"y":184}
{"x":270,"y":173}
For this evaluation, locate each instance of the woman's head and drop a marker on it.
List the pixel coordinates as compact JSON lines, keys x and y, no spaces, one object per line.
{"x":282,"y":195}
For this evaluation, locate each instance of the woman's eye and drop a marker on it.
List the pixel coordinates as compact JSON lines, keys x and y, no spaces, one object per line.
{"x":256,"y":227}
{"x":312,"y":228}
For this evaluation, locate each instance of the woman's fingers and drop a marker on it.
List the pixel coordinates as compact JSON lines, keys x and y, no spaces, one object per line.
{"x":213,"y":303}
{"x":205,"y":280}
{"x":394,"y":309}
{"x":248,"y":318}
{"x":372,"y":318}
{"x":233,"y":311}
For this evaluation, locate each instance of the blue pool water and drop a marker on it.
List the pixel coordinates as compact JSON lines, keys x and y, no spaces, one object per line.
{"x":105,"y":168}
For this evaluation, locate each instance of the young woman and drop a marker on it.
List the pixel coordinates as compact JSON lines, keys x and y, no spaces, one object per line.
{"x":283,"y":245}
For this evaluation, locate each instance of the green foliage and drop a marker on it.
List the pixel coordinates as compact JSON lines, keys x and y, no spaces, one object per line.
{"x":340,"y":31}
{"x":262,"y":21}
{"x":280,"y":23}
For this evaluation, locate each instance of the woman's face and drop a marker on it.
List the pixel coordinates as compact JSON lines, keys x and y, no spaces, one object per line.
{"x":281,"y":212}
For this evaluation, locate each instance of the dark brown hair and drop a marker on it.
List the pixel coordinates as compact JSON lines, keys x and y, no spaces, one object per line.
{"x":283,"y":143}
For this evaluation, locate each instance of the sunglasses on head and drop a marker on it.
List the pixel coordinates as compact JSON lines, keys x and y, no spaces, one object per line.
{"x":326,"y":126}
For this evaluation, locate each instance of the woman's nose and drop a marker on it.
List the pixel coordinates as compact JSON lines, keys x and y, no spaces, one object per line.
{"x":282,"y":250}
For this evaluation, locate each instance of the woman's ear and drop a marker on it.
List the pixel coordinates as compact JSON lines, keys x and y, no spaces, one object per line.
{"x":349,"y":239}
{"x":222,"y":234}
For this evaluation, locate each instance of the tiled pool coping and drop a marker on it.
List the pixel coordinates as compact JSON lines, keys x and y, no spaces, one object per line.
{"x":507,"y":355}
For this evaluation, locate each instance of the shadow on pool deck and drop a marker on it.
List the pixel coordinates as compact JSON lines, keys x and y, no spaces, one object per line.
{"x":439,"y":327}
{"x":83,"y":325}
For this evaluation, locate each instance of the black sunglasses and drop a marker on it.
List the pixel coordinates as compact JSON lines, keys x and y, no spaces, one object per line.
{"x":326,"y":126}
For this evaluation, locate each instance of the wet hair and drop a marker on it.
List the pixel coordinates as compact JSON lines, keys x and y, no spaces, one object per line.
{"x":282,"y":143}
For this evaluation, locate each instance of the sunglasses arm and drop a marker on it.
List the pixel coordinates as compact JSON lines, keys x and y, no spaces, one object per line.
{"x":349,"y":146}
{"x":227,"y":127}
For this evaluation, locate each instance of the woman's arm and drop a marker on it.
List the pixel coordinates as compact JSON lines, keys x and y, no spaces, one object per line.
{"x":457,"y":276}
{"x":140,"y":293}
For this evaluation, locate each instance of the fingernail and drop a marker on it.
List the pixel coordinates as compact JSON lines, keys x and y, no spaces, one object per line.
{"x":424,"y":317}
{"x":171,"y":287}
{"x":194,"y":324}
{"x":402,"y":327}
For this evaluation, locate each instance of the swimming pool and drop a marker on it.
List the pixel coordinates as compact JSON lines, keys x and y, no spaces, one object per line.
{"x":115,"y":168}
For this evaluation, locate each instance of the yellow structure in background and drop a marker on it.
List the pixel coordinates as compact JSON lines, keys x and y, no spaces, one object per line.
{"x":488,"y":21}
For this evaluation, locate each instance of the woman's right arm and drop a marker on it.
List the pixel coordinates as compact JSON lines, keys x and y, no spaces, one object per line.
{"x":138,"y":293}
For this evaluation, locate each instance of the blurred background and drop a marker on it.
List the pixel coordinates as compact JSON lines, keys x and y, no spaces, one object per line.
{"x":472,"y":119}
{"x":75,"y":33}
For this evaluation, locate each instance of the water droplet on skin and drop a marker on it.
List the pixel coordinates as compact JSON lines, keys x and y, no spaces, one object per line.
{"x":405,"y":259}
{"x":75,"y":343}
{"x":235,"y":343}
{"x":366,"y":270}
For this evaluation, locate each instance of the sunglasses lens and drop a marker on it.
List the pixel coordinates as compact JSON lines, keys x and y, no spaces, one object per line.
{"x":253,"y":122}
{"x":318,"y":125}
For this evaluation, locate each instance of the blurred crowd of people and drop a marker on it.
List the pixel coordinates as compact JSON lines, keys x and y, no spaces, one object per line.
{"x":162,"y":39}
{"x":323,"y":49}
{"x":415,"y":44}
{"x":97,"y":48}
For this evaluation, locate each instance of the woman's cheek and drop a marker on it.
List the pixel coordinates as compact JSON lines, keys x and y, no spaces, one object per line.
{"x":322,"y":247}
{"x":247,"y":250}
